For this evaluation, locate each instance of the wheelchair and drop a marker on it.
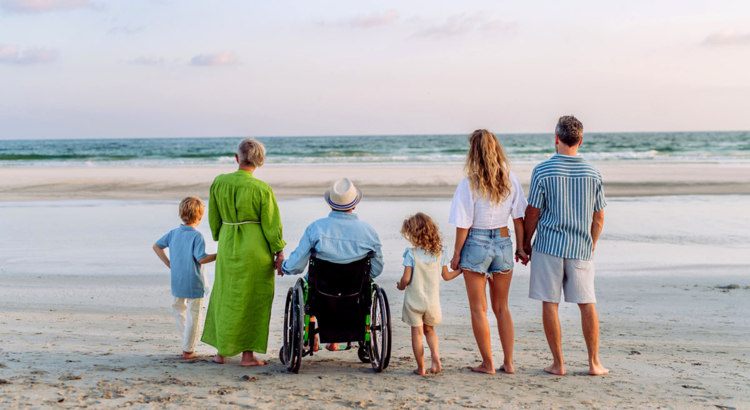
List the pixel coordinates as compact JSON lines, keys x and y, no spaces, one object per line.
{"x":347,"y":306}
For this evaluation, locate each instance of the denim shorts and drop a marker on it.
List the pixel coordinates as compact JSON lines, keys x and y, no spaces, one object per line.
{"x":486,"y":252}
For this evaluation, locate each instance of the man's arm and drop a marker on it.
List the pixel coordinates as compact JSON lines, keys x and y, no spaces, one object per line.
{"x":596,"y":226}
{"x":376,"y":263}
{"x":531,"y":221}
{"x":298,"y":259}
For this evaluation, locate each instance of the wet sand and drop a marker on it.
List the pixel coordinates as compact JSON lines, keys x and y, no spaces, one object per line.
{"x":622,"y":178}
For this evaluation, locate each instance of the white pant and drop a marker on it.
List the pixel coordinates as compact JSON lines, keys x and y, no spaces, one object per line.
{"x":189,"y":325}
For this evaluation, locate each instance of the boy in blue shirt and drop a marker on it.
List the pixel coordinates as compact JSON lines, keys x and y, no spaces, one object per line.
{"x":188,"y":251}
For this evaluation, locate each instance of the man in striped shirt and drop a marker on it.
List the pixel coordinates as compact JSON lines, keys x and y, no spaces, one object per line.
{"x":566,"y":209}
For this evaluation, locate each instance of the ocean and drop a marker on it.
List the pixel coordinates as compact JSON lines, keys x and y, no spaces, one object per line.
{"x":655,"y":146}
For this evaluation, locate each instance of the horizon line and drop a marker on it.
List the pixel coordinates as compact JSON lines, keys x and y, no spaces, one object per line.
{"x":353,"y":135}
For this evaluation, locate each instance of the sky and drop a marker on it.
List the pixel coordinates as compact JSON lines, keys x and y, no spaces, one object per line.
{"x":183,"y":68}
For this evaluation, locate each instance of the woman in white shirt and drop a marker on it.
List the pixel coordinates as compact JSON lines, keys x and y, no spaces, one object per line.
{"x":484,"y":201}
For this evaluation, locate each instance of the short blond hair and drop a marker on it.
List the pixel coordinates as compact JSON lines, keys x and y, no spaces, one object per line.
{"x":191,"y":209}
{"x":251,"y":152}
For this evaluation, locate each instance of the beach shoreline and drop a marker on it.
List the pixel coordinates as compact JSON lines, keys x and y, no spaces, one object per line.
{"x":621,"y":179}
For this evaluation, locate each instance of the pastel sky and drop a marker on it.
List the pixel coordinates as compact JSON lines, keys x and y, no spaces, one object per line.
{"x":182,"y":68}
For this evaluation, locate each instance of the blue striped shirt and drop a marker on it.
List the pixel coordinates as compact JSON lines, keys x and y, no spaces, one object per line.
{"x":567,"y":190}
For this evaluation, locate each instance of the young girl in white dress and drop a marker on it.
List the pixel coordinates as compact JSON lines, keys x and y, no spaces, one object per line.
{"x":423,"y":266}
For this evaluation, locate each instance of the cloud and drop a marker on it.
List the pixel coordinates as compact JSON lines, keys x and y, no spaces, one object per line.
{"x":14,"y":55}
{"x":144,"y":60}
{"x":727,"y":38}
{"x":214,"y":60}
{"x":40,"y":6}
{"x":368,"y":20}
{"x":125,"y":30}
{"x":462,"y":24}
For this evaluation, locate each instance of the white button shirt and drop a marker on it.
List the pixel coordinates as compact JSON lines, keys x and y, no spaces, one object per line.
{"x":468,"y":210}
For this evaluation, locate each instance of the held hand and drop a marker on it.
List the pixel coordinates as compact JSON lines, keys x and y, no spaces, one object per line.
{"x":522,"y":257}
{"x":278,"y":262}
{"x":455,"y":261}
{"x":527,"y":249}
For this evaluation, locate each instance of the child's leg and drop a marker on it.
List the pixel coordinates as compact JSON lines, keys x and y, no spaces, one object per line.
{"x":179,"y":307}
{"x":192,"y":328}
{"x":432,"y":342}
{"x":418,"y":347}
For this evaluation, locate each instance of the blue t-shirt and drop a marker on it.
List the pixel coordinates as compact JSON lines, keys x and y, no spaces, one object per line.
{"x":425,"y":257}
{"x":186,"y":248}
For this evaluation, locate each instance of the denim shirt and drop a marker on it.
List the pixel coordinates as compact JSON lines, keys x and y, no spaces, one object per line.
{"x":340,"y":238}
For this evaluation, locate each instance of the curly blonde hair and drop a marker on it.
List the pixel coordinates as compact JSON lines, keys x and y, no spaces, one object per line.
{"x":423,"y":232}
{"x":487,"y":167}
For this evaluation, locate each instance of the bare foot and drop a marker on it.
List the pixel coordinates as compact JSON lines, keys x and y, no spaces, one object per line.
{"x":249,"y":359}
{"x":597,"y":370}
{"x":435,"y":367}
{"x":189,"y":355}
{"x":420,"y":371}
{"x":507,"y":368}
{"x":484,"y":368}
{"x":555,"y":369}
{"x":316,"y":344}
{"x":218,"y":359}
{"x":332,"y":347}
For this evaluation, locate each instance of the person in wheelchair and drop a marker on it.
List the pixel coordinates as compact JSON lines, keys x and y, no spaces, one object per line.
{"x":340,"y":238}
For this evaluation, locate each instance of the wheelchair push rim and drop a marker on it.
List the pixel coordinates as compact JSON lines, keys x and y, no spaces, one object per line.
{"x":291,"y":352}
{"x":380,"y":330}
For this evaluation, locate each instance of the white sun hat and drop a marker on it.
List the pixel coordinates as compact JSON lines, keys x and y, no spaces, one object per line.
{"x":343,"y":195}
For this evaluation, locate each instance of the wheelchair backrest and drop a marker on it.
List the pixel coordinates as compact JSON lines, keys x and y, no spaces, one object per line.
{"x":339,"y":296}
{"x":339,"y":280}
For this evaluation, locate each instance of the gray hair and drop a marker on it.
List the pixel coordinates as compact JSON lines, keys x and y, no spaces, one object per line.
{"x":569,"y":130}
{"x":251,"y":152}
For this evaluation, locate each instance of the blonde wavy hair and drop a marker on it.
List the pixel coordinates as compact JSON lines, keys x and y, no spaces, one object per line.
{"x":487,"y":167}
{"x":423,"y":232}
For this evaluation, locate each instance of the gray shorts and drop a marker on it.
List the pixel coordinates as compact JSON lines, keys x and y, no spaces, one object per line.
{"x":550,"y":275}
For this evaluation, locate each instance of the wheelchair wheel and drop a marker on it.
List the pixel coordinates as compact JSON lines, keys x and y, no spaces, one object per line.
{"x":291,"y":354}
{"x":380,"y":330}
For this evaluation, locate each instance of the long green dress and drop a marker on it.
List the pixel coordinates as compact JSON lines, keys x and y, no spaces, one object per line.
{"x":239,"y":310}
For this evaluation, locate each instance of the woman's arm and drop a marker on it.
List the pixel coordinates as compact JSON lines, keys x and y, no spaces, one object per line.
{"x":461,"y":234}
{"x":162,"y":255}
{"x":270,"y":221}
{"x":521,"y":255}
{"x":450,"y":275}
{"x":401,"y":285}
{"x":214,"y":218}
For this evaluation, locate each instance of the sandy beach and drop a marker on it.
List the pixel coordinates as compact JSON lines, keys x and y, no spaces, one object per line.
{"x":86,"y":322}
{"x":622,"y":178}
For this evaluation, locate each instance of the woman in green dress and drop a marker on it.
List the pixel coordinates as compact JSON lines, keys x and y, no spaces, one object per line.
{"x":245,"y":220}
